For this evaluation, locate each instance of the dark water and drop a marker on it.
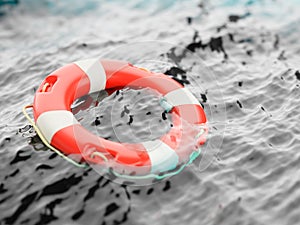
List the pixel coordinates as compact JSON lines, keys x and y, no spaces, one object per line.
{"x":239,"y":57}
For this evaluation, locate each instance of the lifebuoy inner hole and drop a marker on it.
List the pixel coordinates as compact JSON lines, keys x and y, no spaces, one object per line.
{"x":129,"y":115}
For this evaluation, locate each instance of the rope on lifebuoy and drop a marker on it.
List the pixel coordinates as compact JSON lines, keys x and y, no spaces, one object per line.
{"x":39,"y":133}
{"x":100,"y":155}
{"x":46,"y":85}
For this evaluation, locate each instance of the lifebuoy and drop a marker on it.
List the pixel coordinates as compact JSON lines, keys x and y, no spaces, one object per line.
{"x":53,"y":116}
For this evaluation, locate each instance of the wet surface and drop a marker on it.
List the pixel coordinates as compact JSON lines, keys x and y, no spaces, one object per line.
{"x":252,"y":49}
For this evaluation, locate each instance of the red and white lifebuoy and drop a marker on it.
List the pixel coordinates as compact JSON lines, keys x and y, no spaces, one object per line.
{"x":53,"y":116}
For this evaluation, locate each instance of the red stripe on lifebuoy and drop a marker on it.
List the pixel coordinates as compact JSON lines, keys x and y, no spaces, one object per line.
{"x":135,"y":77}
{"x":77,"y":140}
{"x":182,"y":137}
{"x":66,"y":85}
{"x":191,"y":113}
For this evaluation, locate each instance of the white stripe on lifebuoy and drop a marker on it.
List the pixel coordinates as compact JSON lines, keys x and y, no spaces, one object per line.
{"x":52,"y":121}
{"x":162,"y":157}
{"x":181,"y":96}
{"x":96,"y":73}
